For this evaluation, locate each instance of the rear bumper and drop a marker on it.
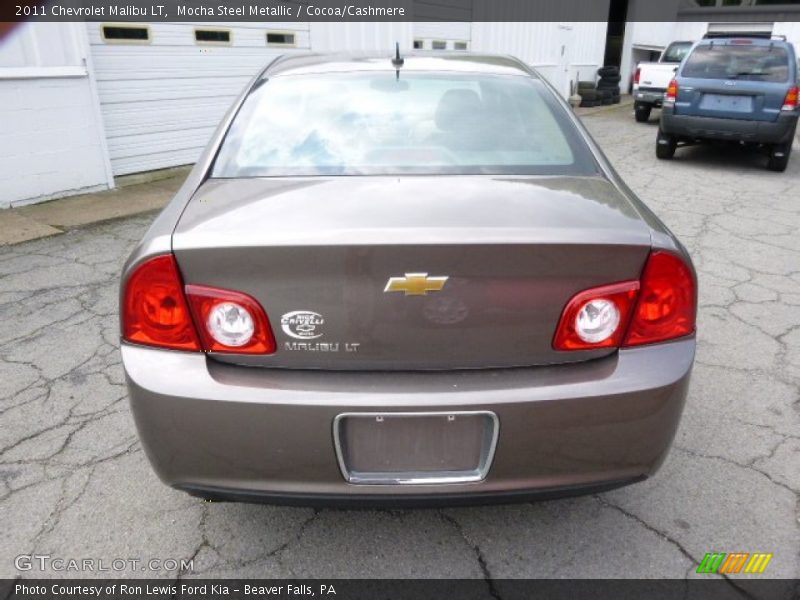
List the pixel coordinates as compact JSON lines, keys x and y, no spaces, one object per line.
{"x":654,"y":97}
{"x":256,"y":434}
{"x":764,"y":132}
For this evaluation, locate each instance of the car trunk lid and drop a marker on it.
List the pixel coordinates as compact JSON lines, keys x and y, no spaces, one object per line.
{"x":319,"y":255}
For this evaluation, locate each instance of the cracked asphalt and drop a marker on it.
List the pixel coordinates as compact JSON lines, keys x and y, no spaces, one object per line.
{"x":74,"y":482}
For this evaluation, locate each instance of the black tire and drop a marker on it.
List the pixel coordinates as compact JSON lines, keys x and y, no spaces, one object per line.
{"x":585,"y":85}
{"x":589,"y":94}
{"x":608,"y":71}
{"x":665,"y":145}
{"x":611,"y":87}
{"x":603,"y":94}
{"x":779,"y":157}
{"x":611,"y":80}
{"x":607,"y":101}
{"x":590,"y":103}
{"x":615,"y":99}
{"x":642,"y":112}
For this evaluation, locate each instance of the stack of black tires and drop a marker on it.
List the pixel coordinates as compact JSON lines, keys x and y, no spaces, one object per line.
{"x":606,"y":91}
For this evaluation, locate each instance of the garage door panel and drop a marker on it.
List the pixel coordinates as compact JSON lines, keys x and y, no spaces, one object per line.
{"x":127,"y":92}
{"x":152,"y":161}
{"x":182,"y":34}
{"x":128,"y":121}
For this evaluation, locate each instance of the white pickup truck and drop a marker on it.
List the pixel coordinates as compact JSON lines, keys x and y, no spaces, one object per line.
{"x":652,"y":79}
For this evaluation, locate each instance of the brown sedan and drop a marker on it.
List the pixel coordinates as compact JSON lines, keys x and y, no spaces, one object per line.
{"x":398,"y":281}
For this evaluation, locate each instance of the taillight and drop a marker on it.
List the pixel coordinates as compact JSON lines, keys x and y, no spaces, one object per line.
{"x":636,"y":75}
{"x":596,"y":318}
{"x":660,"y":307}
{"x":672,"y":91}
{"x":667,"y":305}
{"x":158,"y":311}
{"x":790,"y":101}
{"x":230,"y":321}
{"x":154,"y":310}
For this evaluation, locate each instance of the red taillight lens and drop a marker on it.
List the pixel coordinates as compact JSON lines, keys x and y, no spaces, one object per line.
{"x":572,"y":334}
{"x":230,"y":321}
{"x":662,"y":306}
{"x":667,"y":306}
{"x":790,"y":101}
{"x":636,"y":75}
{"x":672,"y":91}
{"x":154,"y":310}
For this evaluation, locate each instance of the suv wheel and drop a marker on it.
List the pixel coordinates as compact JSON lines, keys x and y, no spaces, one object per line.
{"x":779,"y":157}
{"x":642,"y":112}
{"x":665,"y":145}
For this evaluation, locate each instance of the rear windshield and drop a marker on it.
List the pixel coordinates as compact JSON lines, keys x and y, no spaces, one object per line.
{"x":753,"y":63}
{"x":425,"y":123}
{"x":676,"y":52}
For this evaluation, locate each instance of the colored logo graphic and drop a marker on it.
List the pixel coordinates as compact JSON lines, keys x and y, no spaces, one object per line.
{"x":734,"y":562}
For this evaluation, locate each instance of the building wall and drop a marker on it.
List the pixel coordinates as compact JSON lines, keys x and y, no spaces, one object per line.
{"x":561,"y":52}
{"x":51,"y":135}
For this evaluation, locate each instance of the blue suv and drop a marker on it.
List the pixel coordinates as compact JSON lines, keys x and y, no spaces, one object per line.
{"x":738,"y":89}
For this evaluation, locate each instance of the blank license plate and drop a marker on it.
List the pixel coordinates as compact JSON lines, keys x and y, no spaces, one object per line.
{"x":726,"y":102}
{"x":409,"y":448}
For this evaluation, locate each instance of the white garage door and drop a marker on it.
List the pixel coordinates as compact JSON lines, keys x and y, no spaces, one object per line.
{"x":163,"y":91}
{"x":442,"y":36}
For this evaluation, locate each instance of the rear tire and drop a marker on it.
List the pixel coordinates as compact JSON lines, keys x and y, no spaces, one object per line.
{"x":665,"y":145}
{"x":642,"y":112}
{"x":779,"y":157}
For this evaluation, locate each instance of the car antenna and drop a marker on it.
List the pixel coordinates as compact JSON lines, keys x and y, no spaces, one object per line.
{"x":397,"y":61}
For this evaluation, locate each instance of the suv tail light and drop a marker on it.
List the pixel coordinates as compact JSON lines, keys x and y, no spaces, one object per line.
{"x":672,"y":91}
{"x":636,"y":75}
{"x":660,"y":307}
{"x":790,"y":101}
{"x":155,"y":312}
{"x":230,"y":321}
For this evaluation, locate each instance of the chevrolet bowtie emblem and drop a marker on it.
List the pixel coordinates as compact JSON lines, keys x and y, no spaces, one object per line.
{"x":415,"y":284}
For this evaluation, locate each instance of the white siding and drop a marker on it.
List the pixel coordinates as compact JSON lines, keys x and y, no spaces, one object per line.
{"x":51,"y":137}
{"x":354,"y":37}
{"x":561,"y":52}
{"x":162,"y":100}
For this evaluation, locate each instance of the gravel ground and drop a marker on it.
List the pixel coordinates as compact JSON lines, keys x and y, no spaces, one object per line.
{"x":74,"y":482}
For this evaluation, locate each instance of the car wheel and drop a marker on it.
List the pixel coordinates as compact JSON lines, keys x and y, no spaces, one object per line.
{"x":642,"y":112}
{"x":665,"y":145}
{"x":779,"y":157}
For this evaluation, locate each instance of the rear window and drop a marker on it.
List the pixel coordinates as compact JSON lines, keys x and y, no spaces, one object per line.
{"x":752,"y":63}
{"x":676,"y":52}
{"x":377,"y":123}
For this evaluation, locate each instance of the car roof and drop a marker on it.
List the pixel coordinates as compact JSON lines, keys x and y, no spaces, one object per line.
{"x":416,"y":61}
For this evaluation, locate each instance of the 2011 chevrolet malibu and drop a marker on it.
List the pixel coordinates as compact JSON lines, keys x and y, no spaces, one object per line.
{"x":405,"y":280}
